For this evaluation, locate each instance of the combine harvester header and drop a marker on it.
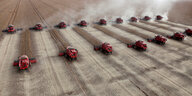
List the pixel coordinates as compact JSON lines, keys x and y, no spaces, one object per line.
{"x":12,"y":29}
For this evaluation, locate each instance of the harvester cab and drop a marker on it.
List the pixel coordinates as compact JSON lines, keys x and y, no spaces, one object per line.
{"x":70,"y":53}
{"x":83,"y":23}
{"x":177,"y":36}
{"x":38,"y":27}
{"x":62,"y":25}
{"x":139,"y":45}
{"x":11,"y":29}
{"x":105,"y":48}
{"x":147,"y":18}
{"x":188,"y":32}
{"x":159,"y":17}
{"x":24,"y":62}
{"x":102,"y":22}
{"x":158,"y":39}
{"x":133,"y":19}
{"x":119,"y":20}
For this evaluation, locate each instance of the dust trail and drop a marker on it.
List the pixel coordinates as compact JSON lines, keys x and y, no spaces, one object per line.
{"x":111,"y":9}
{"x":93,"y":10}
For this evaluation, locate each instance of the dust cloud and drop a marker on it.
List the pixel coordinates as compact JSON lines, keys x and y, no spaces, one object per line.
{"x":110,"y":9}
{"x":181,"y":12}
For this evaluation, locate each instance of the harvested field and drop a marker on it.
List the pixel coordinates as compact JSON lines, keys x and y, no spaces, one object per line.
{"x":161,"y":70}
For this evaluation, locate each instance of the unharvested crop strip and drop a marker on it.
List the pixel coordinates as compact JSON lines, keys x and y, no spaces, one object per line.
{"x":172,"y":24}
{"x":149,"y":29}
{"x":26,"y":44}
{"x":58,"y":39}
{"x":114,"y":35}
{"x":132,"y":31}
{"x":94,"y":41}
{"x":159,"y":26}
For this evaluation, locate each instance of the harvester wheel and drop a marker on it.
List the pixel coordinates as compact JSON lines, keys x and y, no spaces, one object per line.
{"x":129,"y":45}
{"x":162,"y":43}
{"x":70,"y":59}
{"x":29,"y":64}
{"x":149,"y":40}
{"x":96,"y":48}
{"x":169,"y":37}
{"x":65,"y":55}
{"x":19,"y":69}
{"x":133,"y":46}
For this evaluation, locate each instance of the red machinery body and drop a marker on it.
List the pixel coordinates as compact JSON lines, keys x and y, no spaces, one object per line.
{"x":147,"y":18}
{"x":11,"y":29}
{"x":83,"y":23}
{"x":158,"y":39}
{"x":24,"y":62}
{"x":139,"y":45}
{"x":159,"y":17}
{"x":188,"y":32}
{"x":62,"y":25}
{"x":105,"y":48}
{"x":102,"y":22}
{"x":133,"y":19}
{"x":177,"y":36}
{"x":38,"y":27}
{"x":119,"y":20}
{"x":70,"y":53}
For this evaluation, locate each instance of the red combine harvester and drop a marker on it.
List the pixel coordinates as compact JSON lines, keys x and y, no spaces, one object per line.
{"x":147,"y":18}
{"x":102,"y":22}
{"x":158,"y":39}
{"x":61,"y":25}
{"x":24,"y":62}
{"x":139,"y":45}
{"x":70,"y":53}
{"x":11,"y":29}
{"x":105,"y":48}
{"x":159,"y":17}
{"x":177,"y":36}
{"x":119,"y":20}
{"x":133,"y":19}
{"x":188,"y":32}
{"x":37,"y":27}
{"x":83,"y":23}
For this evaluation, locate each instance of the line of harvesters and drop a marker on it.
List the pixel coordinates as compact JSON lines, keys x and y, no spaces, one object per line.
{"x":104,"y":47}
{"x":83,"y":23}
